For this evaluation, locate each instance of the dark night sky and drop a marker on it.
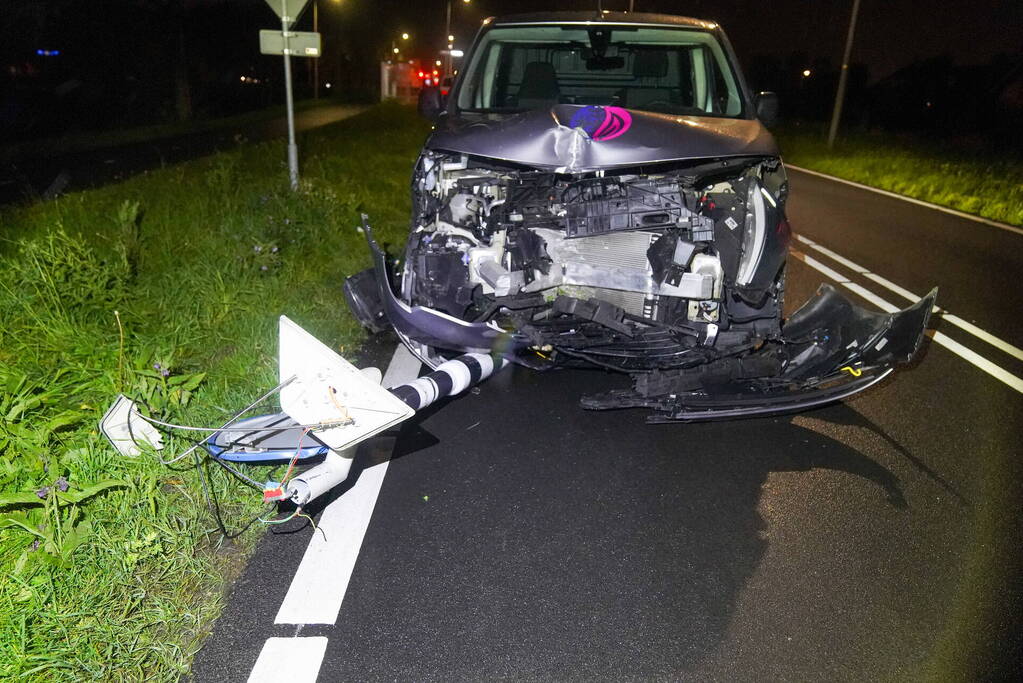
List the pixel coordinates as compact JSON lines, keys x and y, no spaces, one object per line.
{"x":889,"y":35}
{"x":131,"y":62}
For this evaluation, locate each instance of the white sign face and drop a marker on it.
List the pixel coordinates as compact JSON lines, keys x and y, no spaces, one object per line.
{"x":300,"y":43}
{"x":329,"y":390}
{"x":288,"y":10}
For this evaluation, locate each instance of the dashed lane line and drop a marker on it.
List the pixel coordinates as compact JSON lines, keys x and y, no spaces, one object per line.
{"x":295,"y":660}
{"x":321,"y":581}
{"x":964,"y":325}
{"x":319,"y":585}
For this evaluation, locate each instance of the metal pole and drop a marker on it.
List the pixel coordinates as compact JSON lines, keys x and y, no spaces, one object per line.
{"x":316,"y":60}
{"x":292,"y":147}
{"x":840,"y":95}
{"x":447,"y":32}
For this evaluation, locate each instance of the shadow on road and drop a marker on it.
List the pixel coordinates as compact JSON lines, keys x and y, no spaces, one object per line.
{"x":521,"y":536}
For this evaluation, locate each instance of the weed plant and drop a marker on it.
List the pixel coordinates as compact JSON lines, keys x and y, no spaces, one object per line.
{"x":166,"y":287}
{"x":981,"y":182}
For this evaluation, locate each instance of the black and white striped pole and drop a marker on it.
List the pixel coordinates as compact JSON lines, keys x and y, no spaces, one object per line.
{"x":450,"y":378}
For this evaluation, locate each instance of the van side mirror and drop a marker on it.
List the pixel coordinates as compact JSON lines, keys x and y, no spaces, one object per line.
{"x":431,"y":102}
{"x":766,"y":104}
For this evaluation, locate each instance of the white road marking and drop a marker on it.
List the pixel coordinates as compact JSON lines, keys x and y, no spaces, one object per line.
{"x":295,"y":660}
{"x":918,"y":202}
{"x":955,"y":347}
{"x":977,"y":332}
{"x":319,"y":586}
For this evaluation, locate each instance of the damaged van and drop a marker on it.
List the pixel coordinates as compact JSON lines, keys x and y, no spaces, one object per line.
{"x":600,"y":190}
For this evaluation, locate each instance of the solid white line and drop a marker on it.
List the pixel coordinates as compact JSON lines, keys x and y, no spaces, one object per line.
{"x":871,"y":297}
{"x":955,"y":347}
{"x":983,"y":363}
{"x":295,"y":660}
{"x":911,"y":200}
{"x":977,"y":332}
{"x":319,"y":586}
{"x":833,"y":274}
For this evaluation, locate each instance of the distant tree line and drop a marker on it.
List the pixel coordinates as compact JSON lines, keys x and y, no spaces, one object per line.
{"x":118,"y":64}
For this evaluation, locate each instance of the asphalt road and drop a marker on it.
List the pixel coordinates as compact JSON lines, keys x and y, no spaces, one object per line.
{"x":46,"y":177}
{"x":518,"y":536}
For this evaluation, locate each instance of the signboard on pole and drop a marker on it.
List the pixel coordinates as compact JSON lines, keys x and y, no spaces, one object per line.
{"x":288,"y":10}
{"x":300,"y":43}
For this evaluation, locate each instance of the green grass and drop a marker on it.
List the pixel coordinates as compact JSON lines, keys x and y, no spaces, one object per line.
{"x":187,"y":268}
{"x":981,"y":183}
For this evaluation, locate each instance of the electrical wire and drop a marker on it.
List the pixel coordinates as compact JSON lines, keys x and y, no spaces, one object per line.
{"x":210,"y":501}
{"x":316,"y":425}
{"x":294,"y":459}
{"x":251,"y":482}
{"x":313,"y":524}
{"x":293,"y":515}
{"x":214,"y":507}
{"x":237,"y":415}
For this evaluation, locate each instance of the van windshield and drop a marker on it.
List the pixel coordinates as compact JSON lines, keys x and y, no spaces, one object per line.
{"x":666,"y":70}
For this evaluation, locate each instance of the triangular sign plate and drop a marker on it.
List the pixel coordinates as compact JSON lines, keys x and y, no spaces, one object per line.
{"x":288,"y":10}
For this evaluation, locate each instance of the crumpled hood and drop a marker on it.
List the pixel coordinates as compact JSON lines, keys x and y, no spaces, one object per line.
{"x":574,"y":138}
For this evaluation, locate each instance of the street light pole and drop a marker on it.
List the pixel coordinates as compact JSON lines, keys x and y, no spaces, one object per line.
{"x":836,"y":113}
{"x":448,"y":41}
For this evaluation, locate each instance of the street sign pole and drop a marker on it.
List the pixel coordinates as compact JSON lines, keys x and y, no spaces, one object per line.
{"x":306,"y":48}
{"x":292,"y":145}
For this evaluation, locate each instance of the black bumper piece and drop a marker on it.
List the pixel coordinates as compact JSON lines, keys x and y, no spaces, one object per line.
{"x":830,"y":350}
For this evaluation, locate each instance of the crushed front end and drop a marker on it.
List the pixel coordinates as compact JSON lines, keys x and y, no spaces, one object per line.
{"x":672,"y":272}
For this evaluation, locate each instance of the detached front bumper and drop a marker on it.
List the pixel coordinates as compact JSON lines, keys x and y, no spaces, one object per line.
{"x":829,"y":350}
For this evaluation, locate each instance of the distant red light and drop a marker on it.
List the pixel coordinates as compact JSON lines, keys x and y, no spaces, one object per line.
{"x":421,"y":74}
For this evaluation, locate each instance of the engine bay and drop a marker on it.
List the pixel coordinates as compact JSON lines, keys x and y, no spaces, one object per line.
{"x":637,"y":269}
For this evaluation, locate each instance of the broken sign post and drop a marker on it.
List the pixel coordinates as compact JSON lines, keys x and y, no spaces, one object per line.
{"x":288,"y":11}
{"x":329,"y":406}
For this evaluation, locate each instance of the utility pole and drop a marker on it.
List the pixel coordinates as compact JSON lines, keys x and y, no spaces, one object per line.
{"x":836,"y":114}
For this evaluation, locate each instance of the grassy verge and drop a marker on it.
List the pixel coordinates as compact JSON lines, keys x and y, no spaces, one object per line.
{"x":166,"y":287}
{"x":983,"y":184}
